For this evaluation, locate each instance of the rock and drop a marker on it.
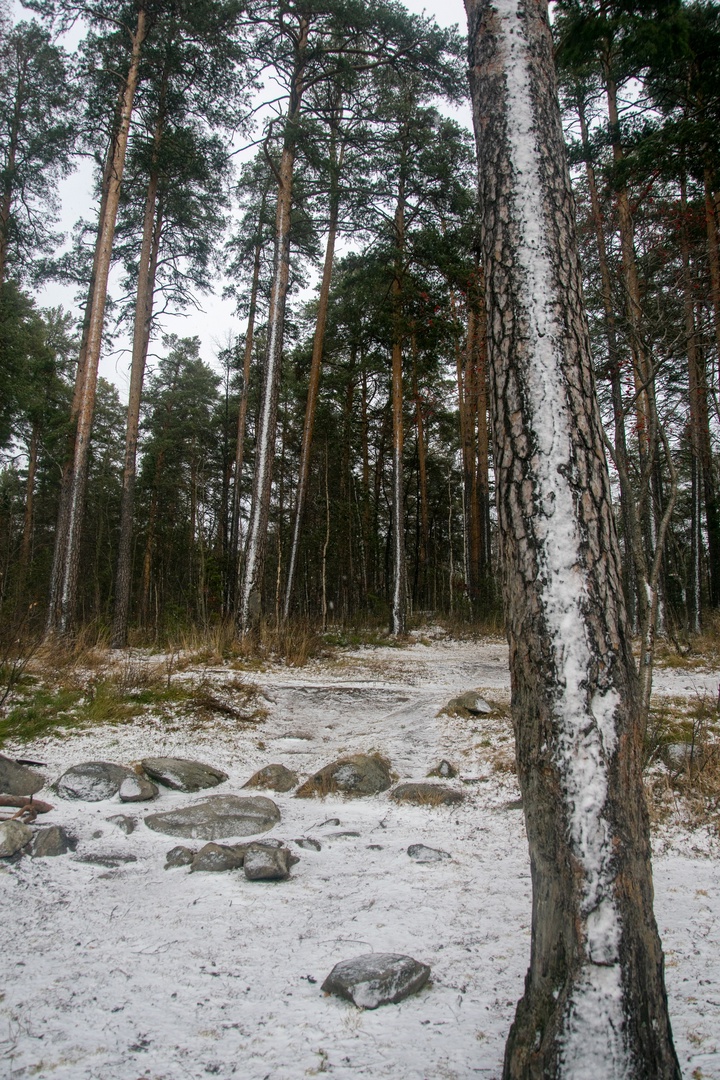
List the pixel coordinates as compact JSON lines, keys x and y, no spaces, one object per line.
{"x":216,"y":817}
{"x":53,"y":840}
{"x":111,"y":859}
{"x":265,"y":863}
{"x":275,"y":777}
{"x":137,"y":789}
{"x":444,"y":770}
{"x":420,"y":794}
{"x":16,"y":779}
{"x":376,"y":979}
{"x":360,"y":774}
{"x":215,"y":858}
{"x":347,"y":834}
{"x":423,"y":854}
{"x":124,"y":822}
{"x":179,"y":856}
{"x":471,"y":703}
{"x":182,"y":775}
{"x":92,"y":781}
{"x":13,"y":836}
{"x":308,"y":842}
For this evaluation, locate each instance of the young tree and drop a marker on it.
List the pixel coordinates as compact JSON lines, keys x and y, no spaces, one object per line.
{"x":595,"y":1002}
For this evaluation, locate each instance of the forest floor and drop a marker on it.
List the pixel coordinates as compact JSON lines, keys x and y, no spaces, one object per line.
{"x":134,"y":972}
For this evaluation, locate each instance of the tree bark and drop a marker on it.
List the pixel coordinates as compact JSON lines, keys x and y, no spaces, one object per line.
{"x":594,"y":1002}
{"x":713,"y":247}
{"x":250,"y":599}
{"x":63,"y":599}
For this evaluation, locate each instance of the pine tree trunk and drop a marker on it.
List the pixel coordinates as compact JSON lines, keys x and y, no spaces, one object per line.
{"x":242,"y":411}
{"x":399,"y":601}
{"x":26,"y":549}
{"x":6,"y":201}
{"x":700,"y":416}
{"x":63,"y":600}
{"x":485,"y":569}
{"x":594,"y":1002}
{"x":713,"y":247}
{"x":312,"y":396}
{"x":250,"y":599}
{"x":149,"y":251}
{"x":614,"y":371}
{"x":424,"y":531}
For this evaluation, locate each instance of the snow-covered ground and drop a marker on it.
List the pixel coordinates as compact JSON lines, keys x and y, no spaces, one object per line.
{"x":141,"y":973}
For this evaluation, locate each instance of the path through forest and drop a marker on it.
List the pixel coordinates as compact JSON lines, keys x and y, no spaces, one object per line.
{"x":131,"y":971}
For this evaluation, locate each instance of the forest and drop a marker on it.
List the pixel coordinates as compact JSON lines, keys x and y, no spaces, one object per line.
{"x":333,"y":465}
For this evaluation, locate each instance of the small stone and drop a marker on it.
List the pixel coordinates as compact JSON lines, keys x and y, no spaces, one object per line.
{"x":444,"y":770}
{"x":92,"y":781}
{"x":346,"y":835}
{"x":275,"y":777}
{"x":420,"y":794}
{"x":137,"y":789}
{"x":13,"y":836}
{"x":124,"y":822}
{"x":214,"y":858}
{"x":514,"y":804}
{"x":179,"y":856}
{"x":376,"y":979}
{"x":216,"y":817}
{"x":308,"y":842}
{"x":53,"y":840}
{"x":423,"y":854}
{"x":263,"y":863}
{"x":16,"y":779}
{"x":181,"y":774}
{"x":357,"y":775}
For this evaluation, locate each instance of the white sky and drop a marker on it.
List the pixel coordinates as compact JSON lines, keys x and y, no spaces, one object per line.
{"x":216,"y":322}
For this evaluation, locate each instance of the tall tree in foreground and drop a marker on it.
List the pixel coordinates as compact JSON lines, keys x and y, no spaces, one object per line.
{"x":595,"y":1002}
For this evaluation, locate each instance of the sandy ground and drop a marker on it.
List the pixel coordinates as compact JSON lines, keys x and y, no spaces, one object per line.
{"x":138,"y":973}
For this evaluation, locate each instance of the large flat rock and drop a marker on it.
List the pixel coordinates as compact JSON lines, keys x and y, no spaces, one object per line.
{"x":181,"y":774}
{"x":216,"y":817}
{"x":18,"y":779}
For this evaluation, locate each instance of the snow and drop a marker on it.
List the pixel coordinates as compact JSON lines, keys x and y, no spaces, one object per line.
{"x":587,"y":728}
{"x":137,"y":972}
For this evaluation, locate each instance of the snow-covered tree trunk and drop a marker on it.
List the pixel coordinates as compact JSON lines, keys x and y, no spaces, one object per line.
{"x":594,"y":1004}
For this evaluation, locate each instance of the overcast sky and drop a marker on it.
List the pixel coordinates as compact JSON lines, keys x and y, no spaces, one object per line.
{"x":216,"y":323}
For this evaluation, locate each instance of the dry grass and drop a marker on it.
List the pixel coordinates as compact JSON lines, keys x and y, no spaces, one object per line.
{"x":683,"y":757}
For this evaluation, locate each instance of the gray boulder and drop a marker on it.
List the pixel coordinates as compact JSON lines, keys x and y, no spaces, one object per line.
{"x":137,"y":789}
{"x":51,"y":841}
{"x":359,"y":774}
{"x":275,"y":777}
{"x":423,"y":854}
{"x":421,"y":794}
{"x":215,"y":858}
{"x":376,"y":979}
{"x":471,"y":703}
{"x":92,"y":781}
{"x":179,"y":856}
{"x":18,"y":779}
{"x":216,"y":817}
{"x":181,"y":774}
{"x":13,"y":836}
{"x":265,"y":863}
